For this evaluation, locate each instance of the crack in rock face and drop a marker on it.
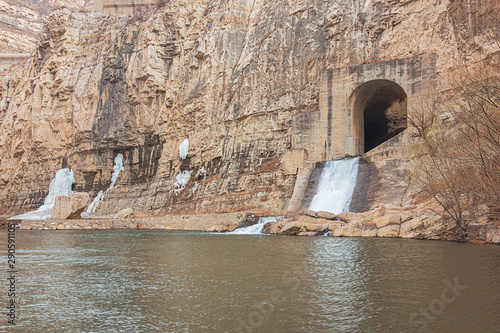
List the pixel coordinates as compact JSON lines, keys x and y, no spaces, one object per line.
{"x":233,"y":77}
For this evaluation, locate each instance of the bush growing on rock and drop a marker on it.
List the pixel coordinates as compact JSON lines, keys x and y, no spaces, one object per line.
{"x":459,"y":164}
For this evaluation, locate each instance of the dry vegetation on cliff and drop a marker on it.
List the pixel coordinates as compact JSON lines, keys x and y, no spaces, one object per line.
{"x":229,"y":75}
{"x":460,"y":133}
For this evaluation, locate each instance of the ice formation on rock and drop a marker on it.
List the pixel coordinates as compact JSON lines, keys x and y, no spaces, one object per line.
{"x":184,"y":149}
{"x":100,"y":196}
{"x":60,"y":185}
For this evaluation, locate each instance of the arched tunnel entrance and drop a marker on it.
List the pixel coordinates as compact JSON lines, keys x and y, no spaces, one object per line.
{"x":379,"y":112}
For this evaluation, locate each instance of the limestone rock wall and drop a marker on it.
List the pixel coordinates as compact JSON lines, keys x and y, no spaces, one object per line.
{"x":21,"y":21}
{"x":228,"y":75}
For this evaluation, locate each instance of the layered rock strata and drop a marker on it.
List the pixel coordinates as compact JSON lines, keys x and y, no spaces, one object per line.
{"x":227,"y":75}
{"x":21,"y":22}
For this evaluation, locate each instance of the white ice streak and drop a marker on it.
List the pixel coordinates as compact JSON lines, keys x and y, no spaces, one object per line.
{"x":181,"y":180}
{"x":116,"y":170}
{"x":100,"y":196}
{"x":184,"y":149}
{"x":60,"y":185}
{"x":202,"y":171}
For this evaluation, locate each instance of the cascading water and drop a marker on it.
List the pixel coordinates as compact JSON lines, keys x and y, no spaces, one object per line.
{"x":60,"y":185}
{"x":255,"y":229}
{"x":335,"y":187}
{"x":116,"y":171}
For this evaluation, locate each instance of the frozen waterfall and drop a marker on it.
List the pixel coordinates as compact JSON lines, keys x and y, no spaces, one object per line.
{"x":60,"y":185}
{"x":184,"y":149}
{"x":335,"y":187}
{"x":116,"y":171}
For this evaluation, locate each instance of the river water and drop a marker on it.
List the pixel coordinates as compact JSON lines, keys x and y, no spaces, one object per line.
{"x":154,"y":281}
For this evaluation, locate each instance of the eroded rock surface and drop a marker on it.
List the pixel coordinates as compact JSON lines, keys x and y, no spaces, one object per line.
{"x":21,"y":21}
{"x":427,"y":220}
{"x":227,"y":75}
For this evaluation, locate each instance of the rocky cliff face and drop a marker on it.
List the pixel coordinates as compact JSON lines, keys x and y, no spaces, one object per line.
{"x":228,"y":75}
{"x":21,"y":21}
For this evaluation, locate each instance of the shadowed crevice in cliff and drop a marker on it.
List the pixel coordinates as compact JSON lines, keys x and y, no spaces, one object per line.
{"x":114,"y":123}
{"x":144,"y":160}
{"x":141,"y":166}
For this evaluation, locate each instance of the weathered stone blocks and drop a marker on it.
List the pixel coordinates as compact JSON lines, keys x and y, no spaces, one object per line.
{"x":70,"y":206}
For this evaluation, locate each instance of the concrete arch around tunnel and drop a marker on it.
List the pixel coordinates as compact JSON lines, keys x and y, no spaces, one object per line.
{"x":379,"y":112}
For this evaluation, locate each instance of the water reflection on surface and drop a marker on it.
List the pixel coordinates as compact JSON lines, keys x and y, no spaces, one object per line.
{"x":152,"y":281}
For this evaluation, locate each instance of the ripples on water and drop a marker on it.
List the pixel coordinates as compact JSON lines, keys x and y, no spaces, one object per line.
{"x":152,"y":281}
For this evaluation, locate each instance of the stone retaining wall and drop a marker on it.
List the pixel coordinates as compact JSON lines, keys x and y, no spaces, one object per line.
{"x":199,"y":222}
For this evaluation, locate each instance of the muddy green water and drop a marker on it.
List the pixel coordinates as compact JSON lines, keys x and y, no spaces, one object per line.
{"x":152,"y":281}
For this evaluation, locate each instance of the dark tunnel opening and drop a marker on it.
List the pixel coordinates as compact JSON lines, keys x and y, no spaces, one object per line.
{"x":380,"y":127}
{"x":382,"y":106}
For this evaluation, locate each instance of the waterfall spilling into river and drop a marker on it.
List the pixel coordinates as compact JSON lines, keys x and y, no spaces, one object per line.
{"x":335,"y":187}
{"x":60,"y":185}
{"x":255,"y":229}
